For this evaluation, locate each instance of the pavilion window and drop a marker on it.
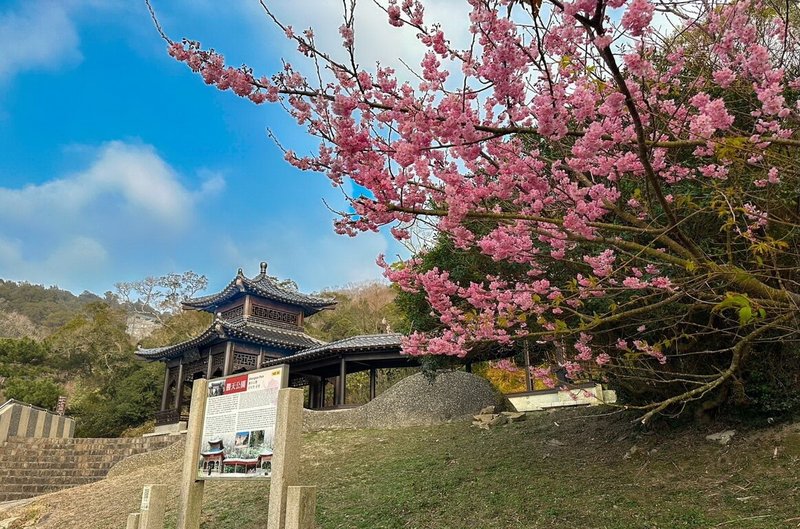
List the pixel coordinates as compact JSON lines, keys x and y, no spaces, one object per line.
{"x":273,"y":315}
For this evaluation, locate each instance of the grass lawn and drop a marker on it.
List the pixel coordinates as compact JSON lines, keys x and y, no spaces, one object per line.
{"x":559,"y":469}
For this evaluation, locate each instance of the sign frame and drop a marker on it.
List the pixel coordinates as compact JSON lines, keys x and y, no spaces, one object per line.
{"x":212,"y":460}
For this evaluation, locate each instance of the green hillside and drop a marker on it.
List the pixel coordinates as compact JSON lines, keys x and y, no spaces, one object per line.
{"x":46,"y":307}
{"x":558,"y":469}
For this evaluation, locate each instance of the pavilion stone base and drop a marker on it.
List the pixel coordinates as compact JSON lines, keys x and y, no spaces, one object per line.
{"x":164,"y":429}
{"x":588,"y":395}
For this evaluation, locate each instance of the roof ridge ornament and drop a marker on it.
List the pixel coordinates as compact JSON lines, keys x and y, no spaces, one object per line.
{"x":263,"y":268}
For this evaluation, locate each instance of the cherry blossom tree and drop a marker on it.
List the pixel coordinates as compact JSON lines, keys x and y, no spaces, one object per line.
{"x":635,"y":158}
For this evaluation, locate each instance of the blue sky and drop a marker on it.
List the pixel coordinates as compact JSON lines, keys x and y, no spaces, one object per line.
{"x":116,"y":162}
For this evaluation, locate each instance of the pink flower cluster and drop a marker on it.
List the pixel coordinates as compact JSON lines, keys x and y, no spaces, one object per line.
{"x":560,"y":150}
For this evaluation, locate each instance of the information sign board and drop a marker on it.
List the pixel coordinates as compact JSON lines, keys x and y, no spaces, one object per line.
{"x":239,"y":425}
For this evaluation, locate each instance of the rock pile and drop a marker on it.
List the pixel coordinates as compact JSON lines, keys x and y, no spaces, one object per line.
{"x":413,"y":401}
{"x":489,"y":417}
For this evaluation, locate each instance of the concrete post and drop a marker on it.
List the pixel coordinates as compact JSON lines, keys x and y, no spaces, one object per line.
{"x":5,"y":423}
{"x":69,"y":429}
{"x":286,"y":446}
{"x":41,"y":417}
{"x":154,"y":503}
{"x":22,"y":425}
{"x":133,"y":521}
{"x":301,"y":505}
{"x":191,"y":497}
{"x":598,"y":392}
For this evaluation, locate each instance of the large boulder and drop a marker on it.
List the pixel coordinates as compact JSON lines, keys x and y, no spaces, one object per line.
{"x":413,"y":401}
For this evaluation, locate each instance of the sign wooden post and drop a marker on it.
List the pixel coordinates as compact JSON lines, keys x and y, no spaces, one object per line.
{"x":252,"y":425}
{"x":191,"y":498}
{"x":301,"y":506}
{"x":287,"y":453}
{"x":133,"y":521}
{"x":154,"y":503}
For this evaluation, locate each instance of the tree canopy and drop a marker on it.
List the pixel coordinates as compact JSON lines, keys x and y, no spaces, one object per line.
{"x":634,"y":158}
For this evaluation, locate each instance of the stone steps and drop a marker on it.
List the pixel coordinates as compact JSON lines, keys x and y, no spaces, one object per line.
{"x":22,"y":464}
{"x":30,"y":467}
{"x":8,"y":476}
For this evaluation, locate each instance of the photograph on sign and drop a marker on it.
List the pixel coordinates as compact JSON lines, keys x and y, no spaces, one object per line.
{"x":239,"y":425}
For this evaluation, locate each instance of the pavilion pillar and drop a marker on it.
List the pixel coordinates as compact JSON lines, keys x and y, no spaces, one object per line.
{"x":373,"y":382}
{"x":468,"y":367}
{"x":312,"y":397}
{"x":322,"y":385}
{"x":335,"y":392}
{"x":342,"y":383}
{"x":179,"y":389}
{"x":228,"y":365}
{"x":165,"y":394}
{"x":260,"y":359}
{"x":210,"y":365}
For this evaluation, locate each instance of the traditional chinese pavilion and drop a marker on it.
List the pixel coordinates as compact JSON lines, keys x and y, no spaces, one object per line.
{"x":259,"y":323}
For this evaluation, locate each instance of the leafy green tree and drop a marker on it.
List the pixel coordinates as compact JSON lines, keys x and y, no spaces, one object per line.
{"x":40,"y":392}
{"x":363,"y":308}
{"x":126,"y":400}
{"x":94,"y":342}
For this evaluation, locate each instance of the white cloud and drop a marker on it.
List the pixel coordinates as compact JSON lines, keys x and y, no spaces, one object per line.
{"x":38,"y":35}
{"x":126,"y":202}
{"x":133,"y":176}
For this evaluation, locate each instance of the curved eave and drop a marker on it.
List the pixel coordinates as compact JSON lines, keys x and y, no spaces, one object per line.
{"x":242,"y":285}
{"x":278,"y":337}
{"x":354,"y":344}
{"x":173,"y":351}
{"x":270,"y":336}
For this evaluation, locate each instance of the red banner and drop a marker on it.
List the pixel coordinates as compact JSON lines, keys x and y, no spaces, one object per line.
{"x":235,"y":384}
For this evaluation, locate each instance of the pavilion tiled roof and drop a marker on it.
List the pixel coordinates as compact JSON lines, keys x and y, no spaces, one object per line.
{"x":367,"y":342}
{"x":264,"y":286}
{"x":250,"y":332}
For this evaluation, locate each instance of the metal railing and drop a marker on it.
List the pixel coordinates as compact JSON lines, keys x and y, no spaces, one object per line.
{"x":170,"y":417}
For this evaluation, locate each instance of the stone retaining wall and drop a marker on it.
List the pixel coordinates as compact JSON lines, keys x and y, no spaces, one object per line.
{"x":33,"y":466}
{"x":18,"y":419}
{"x":413,"y":401}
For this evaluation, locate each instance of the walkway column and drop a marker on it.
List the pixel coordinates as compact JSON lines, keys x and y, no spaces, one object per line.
{"x":165,"y":394}
{"x":179,"y":389}
{"x":373,"y":382}
{"x":342,"y":383}
{"x":312,"y":397}
{"x":228,"y":365}
{"x":528,"y":377}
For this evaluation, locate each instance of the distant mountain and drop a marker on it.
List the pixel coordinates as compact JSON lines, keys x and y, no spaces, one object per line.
{"x":36,"y":310}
